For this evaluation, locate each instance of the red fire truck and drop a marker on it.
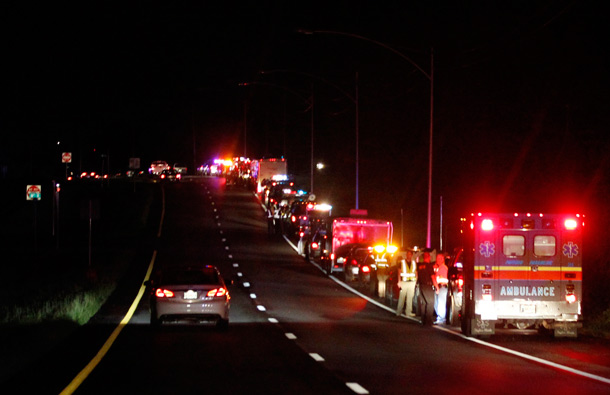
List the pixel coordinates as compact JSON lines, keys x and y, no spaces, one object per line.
{"x":522,"y":271}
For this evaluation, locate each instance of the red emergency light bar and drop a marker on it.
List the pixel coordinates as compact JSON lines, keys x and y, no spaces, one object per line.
{"x":570,"y":222}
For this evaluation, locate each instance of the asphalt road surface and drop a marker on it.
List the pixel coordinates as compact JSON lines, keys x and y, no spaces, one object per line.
{"x":292,"y":329}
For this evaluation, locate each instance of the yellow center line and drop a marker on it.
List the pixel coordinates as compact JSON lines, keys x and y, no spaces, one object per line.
{"x":78,"y":380}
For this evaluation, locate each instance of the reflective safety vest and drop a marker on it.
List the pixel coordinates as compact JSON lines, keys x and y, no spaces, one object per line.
{"x":407,"y":272}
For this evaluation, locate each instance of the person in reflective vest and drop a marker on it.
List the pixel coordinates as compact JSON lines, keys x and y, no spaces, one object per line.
{"x":440,"y":282}
{"x":407,"y":275}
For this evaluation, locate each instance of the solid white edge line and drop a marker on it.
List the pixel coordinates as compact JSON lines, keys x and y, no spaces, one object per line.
{"x":526,"y":356}
{"x":481,"y":342}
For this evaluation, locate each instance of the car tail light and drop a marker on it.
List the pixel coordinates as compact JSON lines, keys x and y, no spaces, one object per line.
{"x":293,"y":218}
{"x":366,"y":269}
{"x":314,"y":246}
{"x":164,"y":293}
{"x":217,"y":292}
{"x":487,"y":292}
{"x":178,"y":176}
{"x":460,"y":283}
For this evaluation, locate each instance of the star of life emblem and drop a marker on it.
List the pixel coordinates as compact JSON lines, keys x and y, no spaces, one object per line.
{"x":570,"y":249}
{"x":487,"y":249}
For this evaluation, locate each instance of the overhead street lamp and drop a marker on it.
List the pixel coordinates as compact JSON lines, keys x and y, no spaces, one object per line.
{"x":430,"y":77}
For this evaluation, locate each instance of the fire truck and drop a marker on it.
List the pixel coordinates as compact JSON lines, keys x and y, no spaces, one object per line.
{"x":522,"y":271}
{"x":349,"y":232}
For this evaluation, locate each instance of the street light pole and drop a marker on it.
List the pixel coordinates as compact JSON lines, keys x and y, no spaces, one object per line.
{"x":430,"y":77}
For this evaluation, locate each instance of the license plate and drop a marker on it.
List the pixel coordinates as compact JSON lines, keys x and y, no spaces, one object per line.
{"x":190,"y":294}
{"x":528,"y":309}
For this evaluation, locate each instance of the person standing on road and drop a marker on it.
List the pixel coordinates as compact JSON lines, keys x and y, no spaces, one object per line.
{"x":440,"y":282}
{"x":270,"y":225}
{"x":406,"y":282}
{"x":426,"y":288}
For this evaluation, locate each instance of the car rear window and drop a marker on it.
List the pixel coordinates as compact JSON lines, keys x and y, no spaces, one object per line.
{"x":190,"y":277}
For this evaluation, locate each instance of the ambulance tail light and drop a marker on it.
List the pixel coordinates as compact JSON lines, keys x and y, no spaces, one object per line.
{"x":570,"y":296}
{"x":487,"y":292}
{"x":487,"y":224}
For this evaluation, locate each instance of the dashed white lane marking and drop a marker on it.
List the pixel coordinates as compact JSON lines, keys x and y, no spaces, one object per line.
{"x":230,"y":256}
{"x":227,"y":249}
{"x":316,"y":357}
{"x":357,"y":388}
{"x":290,"y":336}
{"x":247,"y":284}
{"x":239,"y":274}
{"x":236,"y":265}
{"x":252,"y":296}
{"x":273,"y":320}
{"x":261,"y":308}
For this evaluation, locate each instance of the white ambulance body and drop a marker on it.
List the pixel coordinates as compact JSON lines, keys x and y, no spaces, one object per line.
{"x":522,"y":271}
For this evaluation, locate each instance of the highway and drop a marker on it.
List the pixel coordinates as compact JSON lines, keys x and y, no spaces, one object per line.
{"x":292,"y":329}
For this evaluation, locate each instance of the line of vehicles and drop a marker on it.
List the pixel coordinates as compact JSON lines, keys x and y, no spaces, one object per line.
{"x":511,"y":270}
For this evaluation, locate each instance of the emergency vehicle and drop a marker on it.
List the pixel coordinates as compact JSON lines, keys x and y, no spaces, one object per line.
{"x":347,"y":230}
{"x":267,"y":170}
{"x":522,"y":271}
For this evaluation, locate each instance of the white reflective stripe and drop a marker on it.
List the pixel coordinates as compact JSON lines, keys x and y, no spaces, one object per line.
{"x":442,"y":280}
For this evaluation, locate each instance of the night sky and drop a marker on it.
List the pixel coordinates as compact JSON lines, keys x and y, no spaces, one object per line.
{"x":521,"y":95}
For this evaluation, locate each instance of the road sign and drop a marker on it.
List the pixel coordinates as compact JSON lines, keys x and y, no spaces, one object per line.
{"x":33,"y":192}
{"x":66,"y":157}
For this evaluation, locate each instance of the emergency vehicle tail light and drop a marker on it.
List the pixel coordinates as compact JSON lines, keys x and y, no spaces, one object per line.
{"x":487,"y":292}
{"x":366,"y":269}
{"x":570,"y":296}
{"x":487,"y":224}
{"x":570,"y":224}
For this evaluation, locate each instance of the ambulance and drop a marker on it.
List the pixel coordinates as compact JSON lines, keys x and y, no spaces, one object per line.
{"x":522,"y":271}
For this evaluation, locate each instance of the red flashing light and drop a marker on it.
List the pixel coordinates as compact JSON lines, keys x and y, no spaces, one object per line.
{"x":487,"y":224}
{"x":570,"y":224}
